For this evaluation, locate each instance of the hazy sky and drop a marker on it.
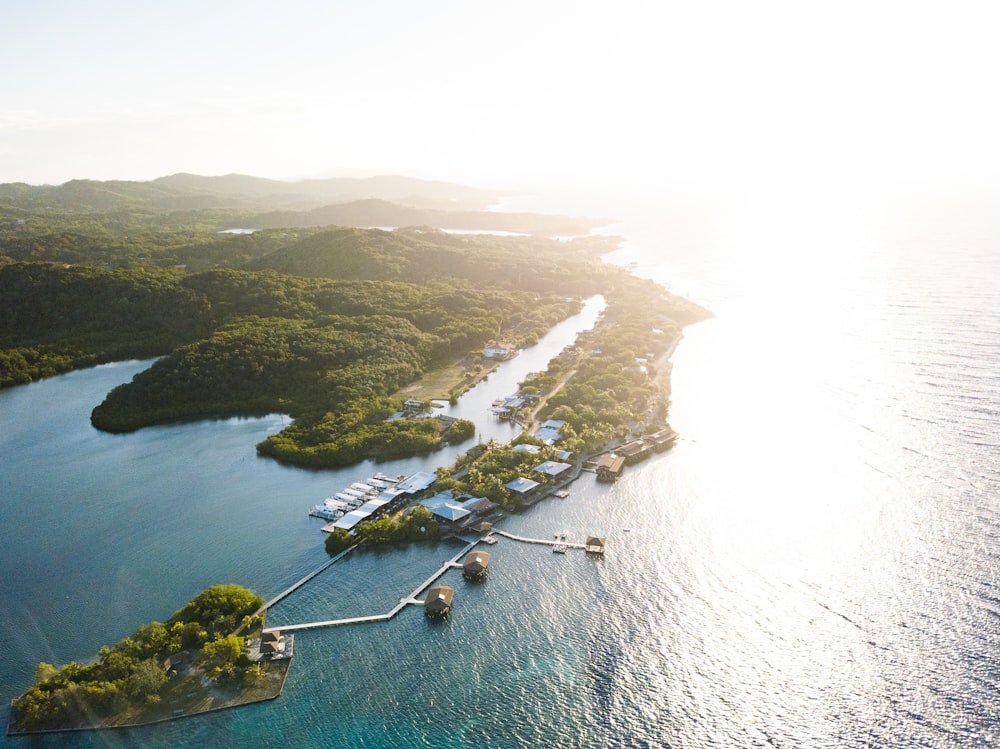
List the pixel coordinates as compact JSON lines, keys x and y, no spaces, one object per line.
{"x":499,"y":92}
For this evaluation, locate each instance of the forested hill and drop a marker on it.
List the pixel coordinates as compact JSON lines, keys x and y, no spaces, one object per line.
{"x":421,"y":255}
{"x":321,"y":323}
{"x":241,"y":191}
{"x":220,"y":203}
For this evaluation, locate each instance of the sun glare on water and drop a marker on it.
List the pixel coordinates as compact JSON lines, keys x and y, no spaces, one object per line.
{"x":780,"y":348}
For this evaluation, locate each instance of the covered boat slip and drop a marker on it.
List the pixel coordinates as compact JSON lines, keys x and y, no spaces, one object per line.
{"x":368,"y":500}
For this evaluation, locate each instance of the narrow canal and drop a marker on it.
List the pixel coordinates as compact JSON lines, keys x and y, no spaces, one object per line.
{"x":475,"y":404}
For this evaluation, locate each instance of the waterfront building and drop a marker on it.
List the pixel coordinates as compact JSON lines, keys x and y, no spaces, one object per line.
{"x":272,"y":643}
{"x":522,"y":487}
{"x":662,"y":440}
{"x":635,"y":451}
{"x":610,"y":467}
{"x":499,"y":351}
{"x":552,"y":469}
{"x":416,"y":483}
{"x":476,"y":565}
{"x":414,"y":406}
{"x":438,"y":601}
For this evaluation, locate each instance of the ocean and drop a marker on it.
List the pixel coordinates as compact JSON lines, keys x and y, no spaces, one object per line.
{"x":815,"y":564}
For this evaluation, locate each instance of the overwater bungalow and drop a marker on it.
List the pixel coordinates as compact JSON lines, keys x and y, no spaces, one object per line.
{"x":662,"y":440}
{"x":483,"y":527}
{"x":594,"y":545}
{"x":476,"y":565}
{"x":635,"y":451}
{"x":438,"y":601}
{"x":610,"y":467}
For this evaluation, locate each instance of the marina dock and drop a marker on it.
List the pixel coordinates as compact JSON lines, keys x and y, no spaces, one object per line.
{"x":557,"y":544}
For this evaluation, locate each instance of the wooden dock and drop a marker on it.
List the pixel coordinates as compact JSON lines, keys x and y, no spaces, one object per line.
{"x":296,"y":585}
{"x":403,"y":602}
{"x":541,"y":541}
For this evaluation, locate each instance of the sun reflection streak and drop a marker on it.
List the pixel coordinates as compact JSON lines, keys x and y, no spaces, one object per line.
{"x":809,"y":537}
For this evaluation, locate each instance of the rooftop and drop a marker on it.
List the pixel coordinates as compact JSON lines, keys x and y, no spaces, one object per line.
{"x":552,"y":468}
{"x":521,"y":485}
{"x":416,"y":483}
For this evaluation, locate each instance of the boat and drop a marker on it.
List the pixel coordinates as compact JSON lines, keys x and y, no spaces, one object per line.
{"x":559,"y":549}
{"x":354,"y":496}
{"x":325,"y":512}
{"x":490,"y":539}
{"x":562,"y":493}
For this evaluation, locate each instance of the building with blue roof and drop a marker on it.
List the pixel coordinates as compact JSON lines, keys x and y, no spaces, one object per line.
{"x":552,"y":469}
{"x":443,"y":505}
{"x":548,"y":435}
{"x":521,"y":486}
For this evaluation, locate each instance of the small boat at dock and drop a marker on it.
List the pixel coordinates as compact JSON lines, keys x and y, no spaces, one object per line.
{"x":355,"y":496}
{"x":325,"y":512}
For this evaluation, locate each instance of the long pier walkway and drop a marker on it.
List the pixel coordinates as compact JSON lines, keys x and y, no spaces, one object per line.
{"x":543,"y":541}
{"x":295,"y":586}
{"x":403,"y":602}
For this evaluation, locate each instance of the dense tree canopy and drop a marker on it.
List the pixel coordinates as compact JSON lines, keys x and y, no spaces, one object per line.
{"x":320,"y":323}
{"x":132,"y":671}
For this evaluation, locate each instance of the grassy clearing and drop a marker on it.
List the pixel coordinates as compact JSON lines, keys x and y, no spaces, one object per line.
{"x":444,"y":382}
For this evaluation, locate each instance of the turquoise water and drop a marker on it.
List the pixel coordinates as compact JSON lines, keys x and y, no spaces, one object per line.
{"x":814,"y":565}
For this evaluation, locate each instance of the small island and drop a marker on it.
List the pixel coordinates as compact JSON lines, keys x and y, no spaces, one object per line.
{"x":207,"y":656}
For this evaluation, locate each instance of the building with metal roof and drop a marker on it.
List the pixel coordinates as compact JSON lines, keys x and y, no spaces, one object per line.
{"x":522,"y":486}
{"x":552,"y":469}
{"x":416,"y":483}
{"x":547,"y":435}
{"x":444,"y":505}
{"x":349,"y":520}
